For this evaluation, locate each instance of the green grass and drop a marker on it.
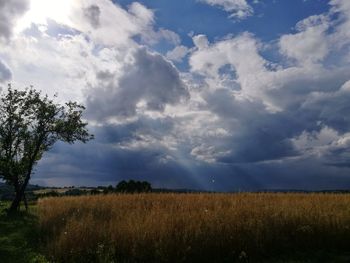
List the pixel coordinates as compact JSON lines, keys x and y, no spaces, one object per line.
{"x":19,"y":237}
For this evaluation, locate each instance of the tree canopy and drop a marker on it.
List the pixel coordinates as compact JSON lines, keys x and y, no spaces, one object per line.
{"x":132,"y":186}
{"x":30,"y":124}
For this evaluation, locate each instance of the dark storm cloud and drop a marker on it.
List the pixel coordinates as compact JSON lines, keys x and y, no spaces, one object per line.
{"x":157,"y":128}
{"x":294,"y":90}
{"x":5,"y":72}
{"x":102,"y":163}
{"x":80,"y":165}
{"x":107,"y":164}
{"x":150,"y":78}
{"x":258,"y":135}
{"x":92,"y":13}
{"x":309,"y":103}
{"x":302,"y":174}
{"x":10,"y":10}
{"x":337,"y":154}
{"x":331,"y":109}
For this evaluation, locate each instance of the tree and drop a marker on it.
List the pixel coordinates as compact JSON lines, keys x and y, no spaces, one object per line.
{"x":133,"y":187}
{"x":30,"y":124}
{"x":108,"y":189}
{"x":122,"y":187}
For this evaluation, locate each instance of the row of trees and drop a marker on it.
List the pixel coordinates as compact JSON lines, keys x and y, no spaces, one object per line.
{"x":133,"y":187}
{"x":130,"y":186}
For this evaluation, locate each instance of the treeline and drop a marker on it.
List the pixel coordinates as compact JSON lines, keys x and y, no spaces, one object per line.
{"x":130,"y":186}
{"x":34,"y":192}
{"x":133,"y":187}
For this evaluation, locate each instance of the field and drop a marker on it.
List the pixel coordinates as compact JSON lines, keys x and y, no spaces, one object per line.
{"x":196,"y":228}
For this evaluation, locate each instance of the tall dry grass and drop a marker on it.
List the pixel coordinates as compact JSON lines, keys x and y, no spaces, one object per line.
{"x":192,"y":227}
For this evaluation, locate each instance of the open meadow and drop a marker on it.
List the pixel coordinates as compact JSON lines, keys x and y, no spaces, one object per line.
{"x":196,"y":228}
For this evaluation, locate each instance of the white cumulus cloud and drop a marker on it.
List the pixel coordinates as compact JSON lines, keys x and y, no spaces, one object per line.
{"x":238,"y":9}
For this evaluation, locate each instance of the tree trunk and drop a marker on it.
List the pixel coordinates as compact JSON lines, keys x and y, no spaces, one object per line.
{"x":25,"y":201}
{"x":15,"y":203}
{"x":20,"y":194}
{"x":17,"y":190}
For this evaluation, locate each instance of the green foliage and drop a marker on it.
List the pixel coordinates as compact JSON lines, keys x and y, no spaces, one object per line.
{"x":30,"y":124}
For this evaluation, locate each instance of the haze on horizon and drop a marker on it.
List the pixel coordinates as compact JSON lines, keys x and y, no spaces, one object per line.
{"x":205,"y":94}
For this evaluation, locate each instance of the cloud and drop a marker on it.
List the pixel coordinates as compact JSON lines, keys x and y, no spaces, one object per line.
{"x":144,"y":14}
{"x":254,"y":134}
{"x":67,"y":59}
{"x":93,"y":13}
{"x":265,"y":106}
{"x":342,"y":32}
{"x":337,"y":154}
{"x":233,"y":117}
{"x":148,"y":82}
{"x":200,"y":41}
{"x":116,"y":25}
{"x":238,"y":9}
{"x":5,"y":72}
{"x":240,"y":53}
{"x":178,"y":53}
{"x":330,"y":108}
{"x":145,"y":19}
{"x":310,"y":44}
{"x":78,"y":165}
{"x":105,"y":22}
{"x":10,"y":11}
{"x":73,"y":47}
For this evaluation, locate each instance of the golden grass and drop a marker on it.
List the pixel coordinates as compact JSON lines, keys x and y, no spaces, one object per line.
{"x":192,"y":227}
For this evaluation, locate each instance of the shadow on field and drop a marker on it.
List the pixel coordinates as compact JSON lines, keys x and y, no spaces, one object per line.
{"x":19,"y":237}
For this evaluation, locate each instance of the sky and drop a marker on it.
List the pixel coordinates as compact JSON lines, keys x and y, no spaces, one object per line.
{"x":221,"y":95}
